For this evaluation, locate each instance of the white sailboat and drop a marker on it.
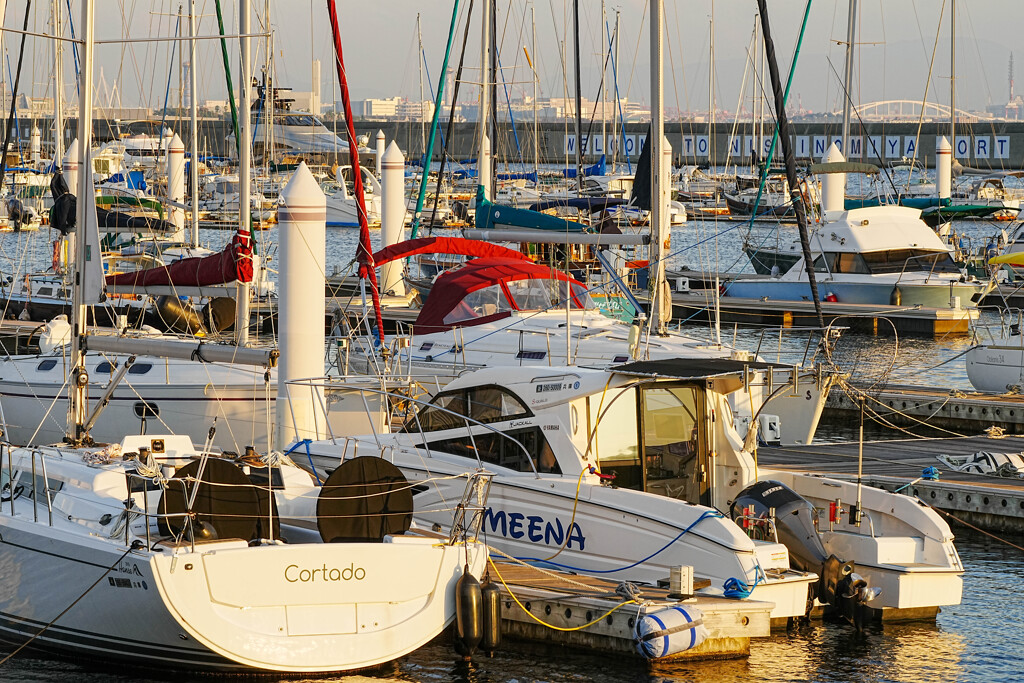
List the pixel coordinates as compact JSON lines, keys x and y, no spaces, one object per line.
{"x":153,"y":552}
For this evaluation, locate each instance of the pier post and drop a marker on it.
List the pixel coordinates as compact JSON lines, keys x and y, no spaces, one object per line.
{"x":392,"y":215}
{"x":302,"y":227}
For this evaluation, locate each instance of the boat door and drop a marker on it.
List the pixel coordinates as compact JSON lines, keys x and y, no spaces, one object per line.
{"x":674,"y":442}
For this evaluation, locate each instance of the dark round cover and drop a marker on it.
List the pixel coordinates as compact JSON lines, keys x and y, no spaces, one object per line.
{"x":227,"y":500}
{"x":365,"y":499}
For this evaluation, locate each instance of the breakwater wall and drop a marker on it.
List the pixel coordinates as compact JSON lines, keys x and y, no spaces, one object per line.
{"x":991,"y":146}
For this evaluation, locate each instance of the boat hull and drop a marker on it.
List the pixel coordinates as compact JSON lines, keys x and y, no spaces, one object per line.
{"x":995,"y":368}
{"x":878,"y":294}
{"x":190,"y":611}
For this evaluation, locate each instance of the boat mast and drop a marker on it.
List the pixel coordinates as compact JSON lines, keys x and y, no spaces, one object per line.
{"x":711,"y":80}
{"x":244,"y":169}
{"x":194,"y":115}
{"x":787,"y":148}
{"x":483,"y":157}
{"x":419,"y":60}
{"x":79,"y":377}
{"x":658,"y":213}
{"x":579,"y":98}
{"x":58,"y":88}
{"x":851,"y":32}
{"x":952,"y":76}
{"x":604,"y":90}
{"x":536,"y":77}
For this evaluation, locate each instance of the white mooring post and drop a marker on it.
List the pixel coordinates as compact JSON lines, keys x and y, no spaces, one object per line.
{"x":379,"y":155}
{"x":944,"y":168}
{"x":302,"y":227}
{"x":392,"y":215}
{"x":69,"y":166}
{"x":176,"y":185}
{"x":833,"y":185}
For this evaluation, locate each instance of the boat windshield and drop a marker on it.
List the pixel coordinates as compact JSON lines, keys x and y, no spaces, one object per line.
{"x":886,"y":262}
{"x":539,"y":294}
{"x":532,"y":294}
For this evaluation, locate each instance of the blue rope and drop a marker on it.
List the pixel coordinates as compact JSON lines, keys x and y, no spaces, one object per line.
{"x":306,"y":442}
{"x":707,"y":513}
{"x":735,"y":588}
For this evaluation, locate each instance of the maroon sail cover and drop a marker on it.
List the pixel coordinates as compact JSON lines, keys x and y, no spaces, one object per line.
{"x":234,"y":263}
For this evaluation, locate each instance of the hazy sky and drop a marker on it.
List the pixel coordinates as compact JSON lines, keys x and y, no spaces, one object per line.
{"x":895,"y":40}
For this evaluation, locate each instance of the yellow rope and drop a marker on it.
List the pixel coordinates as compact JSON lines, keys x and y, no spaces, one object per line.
{"x":544,"y":623}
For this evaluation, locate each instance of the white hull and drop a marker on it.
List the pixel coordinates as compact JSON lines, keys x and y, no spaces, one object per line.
{"x":188,"y":397}
{"x":531,"y":518}
{"x":995,"y":368}
{"x":226,"y":605}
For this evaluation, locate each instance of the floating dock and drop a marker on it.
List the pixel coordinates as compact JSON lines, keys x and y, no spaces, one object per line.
{"x":698,"y":305}
{"x":985,"y":501}
{"x":570,"y":601}
{"x":968,"y":412}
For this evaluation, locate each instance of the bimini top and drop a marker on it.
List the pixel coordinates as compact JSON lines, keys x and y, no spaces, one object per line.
{"x":492,"y":288}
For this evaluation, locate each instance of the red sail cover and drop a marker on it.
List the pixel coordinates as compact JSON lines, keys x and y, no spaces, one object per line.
{"x":444,"y":245}
{"x":234,"y":263}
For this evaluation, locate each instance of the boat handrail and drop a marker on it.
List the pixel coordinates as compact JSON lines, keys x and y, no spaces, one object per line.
{"x":932,"y":255}
{"x":829,"y":334}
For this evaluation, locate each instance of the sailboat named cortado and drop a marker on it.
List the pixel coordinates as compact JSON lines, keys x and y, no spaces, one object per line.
{"x":153,"y":552}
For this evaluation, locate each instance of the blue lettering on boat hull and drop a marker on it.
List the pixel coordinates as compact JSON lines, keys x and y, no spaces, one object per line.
{"x":534,"y":528}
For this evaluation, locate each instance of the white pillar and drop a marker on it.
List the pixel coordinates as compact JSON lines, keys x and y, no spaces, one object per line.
{"x":379,"y":155}
{"x":392,"y":215}
{"x":69,"y":166}
{"x":176,"y":185}
{"x":302,"y":219}
{"x":833,"y":185}
{"x":483,"y":166}
{"x":944,"y":168}
{"x":35,"y":144}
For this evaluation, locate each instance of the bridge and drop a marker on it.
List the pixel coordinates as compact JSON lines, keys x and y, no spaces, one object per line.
{"x":910,"y":111}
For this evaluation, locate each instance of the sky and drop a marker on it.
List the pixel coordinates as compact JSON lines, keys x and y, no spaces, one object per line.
{"x":897,"y":41}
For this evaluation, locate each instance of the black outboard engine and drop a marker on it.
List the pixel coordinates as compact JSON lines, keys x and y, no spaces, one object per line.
{"x":838,"y":586}
{"x":17,"y":213}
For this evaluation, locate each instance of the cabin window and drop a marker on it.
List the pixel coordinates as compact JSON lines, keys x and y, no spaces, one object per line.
{"x":851,"y":263}
{"x":520,"y":450}
{"x":910,"y":261}
{"x":443,"y":412}
{"x":825,"y":263}
{"x":478,"y":304}
{"x":48,"y":364}
{"x":140,"y":368}
{"x":103,"y":367}
{"x":45,"y":291}
{"x":29,"y":485}
{"x":484,"y":404}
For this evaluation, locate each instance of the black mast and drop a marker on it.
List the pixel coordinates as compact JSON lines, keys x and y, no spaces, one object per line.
{"x":787,"y":155}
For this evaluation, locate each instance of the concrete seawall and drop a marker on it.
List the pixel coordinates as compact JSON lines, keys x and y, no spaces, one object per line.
{"x":990,"y":146}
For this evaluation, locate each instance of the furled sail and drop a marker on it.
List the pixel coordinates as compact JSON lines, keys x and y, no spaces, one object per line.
{"x":234,"y":263}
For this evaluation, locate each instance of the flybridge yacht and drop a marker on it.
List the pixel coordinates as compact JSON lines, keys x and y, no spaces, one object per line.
{"x":874,"y":255}
{"x":501,"y":309}
{"x":284,"y":574}
{"x":622,"y":472}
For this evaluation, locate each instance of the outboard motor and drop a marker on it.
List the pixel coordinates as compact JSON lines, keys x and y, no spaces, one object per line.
{"x":838,"y":586}
{"x":17,"y":213}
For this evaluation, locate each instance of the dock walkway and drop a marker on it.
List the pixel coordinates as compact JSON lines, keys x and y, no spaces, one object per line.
{"x":989,"y":502}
